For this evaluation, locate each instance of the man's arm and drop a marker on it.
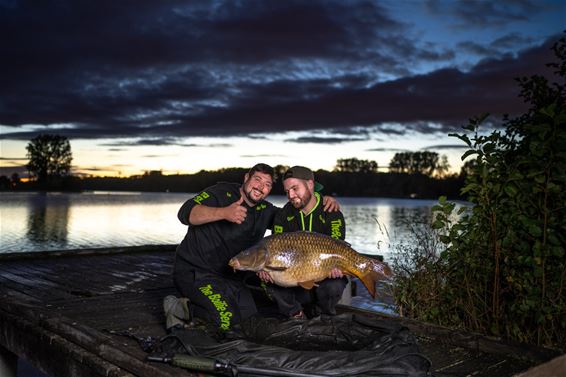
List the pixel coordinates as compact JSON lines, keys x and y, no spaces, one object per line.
{"x":336,"y":228}
{"x":330,"y":204}
{"x":206,"y":207}
{"x":202,"y":214}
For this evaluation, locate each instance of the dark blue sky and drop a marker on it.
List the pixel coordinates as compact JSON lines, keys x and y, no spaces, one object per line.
{"x":137,"y":73}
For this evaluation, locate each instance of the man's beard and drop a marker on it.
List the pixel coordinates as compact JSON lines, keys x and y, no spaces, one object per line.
{"x":248,"y":193}
{"x":302,"y":202}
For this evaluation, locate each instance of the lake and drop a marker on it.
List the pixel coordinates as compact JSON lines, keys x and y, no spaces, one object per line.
{"x":36,"y":221}
{"x":33,"y":221}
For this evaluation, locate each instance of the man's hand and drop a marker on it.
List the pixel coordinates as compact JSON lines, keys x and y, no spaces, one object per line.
{"x":335,"y":273}
{"x":235,"y":212}
{"x":264,"y":276}
{"x":330,"y":204}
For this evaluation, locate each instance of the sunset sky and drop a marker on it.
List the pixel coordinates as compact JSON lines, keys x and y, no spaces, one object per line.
{"x":181,"y":86}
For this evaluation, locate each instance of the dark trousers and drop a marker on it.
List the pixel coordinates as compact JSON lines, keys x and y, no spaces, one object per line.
{"x":213,"y":298}
{"x":293,"y":299}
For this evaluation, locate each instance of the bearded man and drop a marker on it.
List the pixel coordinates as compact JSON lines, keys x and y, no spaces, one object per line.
{"x":304,"y":212}
{"x":223,"y":220}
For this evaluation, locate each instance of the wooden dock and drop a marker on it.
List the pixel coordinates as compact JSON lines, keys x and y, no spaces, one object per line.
{"x":62,"y":311}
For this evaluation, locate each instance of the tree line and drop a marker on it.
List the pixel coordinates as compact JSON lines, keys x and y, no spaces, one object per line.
{"x":396,"y":185}
{"x":412,"y":174}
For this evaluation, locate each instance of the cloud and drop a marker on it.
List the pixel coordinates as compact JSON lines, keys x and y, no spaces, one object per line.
{"x":322,"y":140}
{"x":112,"y":167}
{"x":486,"y":13}
{"x":149,"y":73}
{"x":147,"y":142}
{"x":387,"y":150}
{"x":446,"y":146}
{"x":261,"y":155}
{"x":13,"y":159}
{"x":99,"y":169}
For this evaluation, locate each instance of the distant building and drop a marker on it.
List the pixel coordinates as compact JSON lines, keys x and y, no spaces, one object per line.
{"x":153,"y":173}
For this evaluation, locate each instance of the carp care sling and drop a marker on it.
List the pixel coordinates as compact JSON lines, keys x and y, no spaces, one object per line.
{"x":343,"y":345}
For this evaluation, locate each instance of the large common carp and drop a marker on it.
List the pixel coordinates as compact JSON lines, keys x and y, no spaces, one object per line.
{"x":304,"y":258}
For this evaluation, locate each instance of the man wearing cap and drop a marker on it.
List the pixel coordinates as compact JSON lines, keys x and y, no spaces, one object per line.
{"x":304,"y":212}
{"x":223,"y":220}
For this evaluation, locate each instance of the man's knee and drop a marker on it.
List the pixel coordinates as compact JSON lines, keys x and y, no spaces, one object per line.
{"x":183,"y":277}
{"x":332,"y":287}
{"x":285,"y":298}
{"x":329,"y":293}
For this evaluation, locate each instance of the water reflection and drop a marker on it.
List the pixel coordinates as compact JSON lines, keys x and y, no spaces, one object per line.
{"x":38,"y":222}
{"x":403,"y":216}
{"x":48,"y":219}
{"x":374,"y":226}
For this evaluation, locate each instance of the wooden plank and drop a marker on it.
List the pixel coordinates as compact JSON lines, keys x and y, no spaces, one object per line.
{"x":26,"y":272}
{"x":135,"y":308}
{"x":483,"y":365}
{"x":28,"y":287}
{"x":103,"y":346}
{"x":20,"y":278}
{"x":68,"y":272}
{"x":82,"y":296}
{"x":554,"y":368}
{"x":165,"y":248}
{"x":51,"y":353}
{"x":6,"y":291}
{"x":101,"y":276}
{"x":149,"y":295}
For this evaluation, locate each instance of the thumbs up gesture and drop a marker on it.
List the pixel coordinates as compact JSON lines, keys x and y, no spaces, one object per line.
{"x":235,"y":212}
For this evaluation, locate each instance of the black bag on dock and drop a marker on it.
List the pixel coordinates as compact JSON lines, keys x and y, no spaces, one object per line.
{"x":344,"y":345}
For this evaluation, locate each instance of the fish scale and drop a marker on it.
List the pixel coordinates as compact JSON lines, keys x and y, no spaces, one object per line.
{"x":305,"y":258}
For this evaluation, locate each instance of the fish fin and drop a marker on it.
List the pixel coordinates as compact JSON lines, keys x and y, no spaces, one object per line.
{"x":369,"y":280}
{"x":308,"y":284}
{"x":275,"y":268}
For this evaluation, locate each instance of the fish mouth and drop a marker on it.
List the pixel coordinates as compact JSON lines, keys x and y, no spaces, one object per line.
{"x":234,"y":263}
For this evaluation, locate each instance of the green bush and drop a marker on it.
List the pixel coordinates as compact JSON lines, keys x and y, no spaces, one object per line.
{"x":502,"y":270}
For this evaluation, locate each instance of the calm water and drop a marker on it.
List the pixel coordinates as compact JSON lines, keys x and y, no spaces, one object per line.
{"x":62,"y":221}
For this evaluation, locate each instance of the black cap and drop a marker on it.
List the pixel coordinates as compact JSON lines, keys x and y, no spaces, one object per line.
{"x":300,"y":172}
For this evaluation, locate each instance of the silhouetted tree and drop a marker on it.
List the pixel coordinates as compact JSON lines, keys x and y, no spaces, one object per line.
{"x":15,"y":180}
{"x":353,"y":165}
{"x":49,"y":157}
{"x":427,"y":163}
{"x":280,"y":170}
{"x":4,"y":183}
{"x":442,"y":167}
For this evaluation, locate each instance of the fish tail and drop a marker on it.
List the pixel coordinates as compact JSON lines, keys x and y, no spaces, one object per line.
{"x":372,"y":274}
{"x":369,"y":279}
{"x":367,"y":276}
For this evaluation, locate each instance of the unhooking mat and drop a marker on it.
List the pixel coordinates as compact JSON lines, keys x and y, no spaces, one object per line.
{"x":344,"y":345}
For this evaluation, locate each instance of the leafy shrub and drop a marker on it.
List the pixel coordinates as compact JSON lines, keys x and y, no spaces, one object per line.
{"x":502,"y":270}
